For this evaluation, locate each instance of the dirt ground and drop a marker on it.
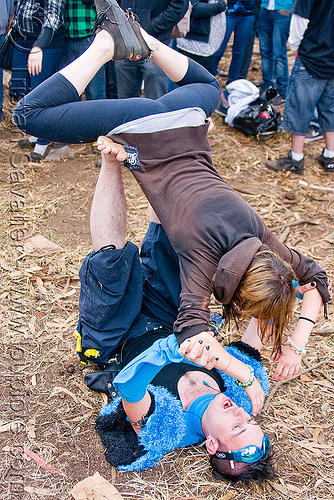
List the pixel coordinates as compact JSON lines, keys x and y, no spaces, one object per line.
{"x":43,"y":395}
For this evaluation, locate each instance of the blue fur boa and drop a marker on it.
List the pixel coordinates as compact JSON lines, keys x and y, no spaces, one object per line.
{"x":165,"y":429}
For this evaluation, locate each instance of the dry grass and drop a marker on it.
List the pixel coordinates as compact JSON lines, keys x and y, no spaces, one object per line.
{"x":42,"y":386}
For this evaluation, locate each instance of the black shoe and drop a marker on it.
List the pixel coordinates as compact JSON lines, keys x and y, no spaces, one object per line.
{"x":287,"y":164}
{"x":103,"y":381}
{"x":326,"y":163}
{"x":37,"y":157}
{"x":124,"y":29}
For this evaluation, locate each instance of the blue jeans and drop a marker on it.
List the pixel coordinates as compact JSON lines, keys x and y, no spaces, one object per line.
{"x":130,"y":75}
{"x":242,"y":27}
{"x":2,"y":37}
{"x":22,"y":82}
{"x":273,"y":37}
{"x":305,"y":93}
{"x":73,"y":48}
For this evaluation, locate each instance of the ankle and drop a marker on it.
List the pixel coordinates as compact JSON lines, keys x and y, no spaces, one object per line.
{"x":104,"y":45}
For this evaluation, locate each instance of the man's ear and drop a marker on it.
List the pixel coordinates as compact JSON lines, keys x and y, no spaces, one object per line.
{"x":212,"y":445}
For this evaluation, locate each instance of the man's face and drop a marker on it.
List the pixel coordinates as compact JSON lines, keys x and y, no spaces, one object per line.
{"x":230,"y":425}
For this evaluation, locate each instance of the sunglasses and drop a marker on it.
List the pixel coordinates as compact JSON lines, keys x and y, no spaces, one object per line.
{"x":247,"y":455}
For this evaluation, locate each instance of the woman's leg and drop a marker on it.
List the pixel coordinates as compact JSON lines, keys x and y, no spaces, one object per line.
{"x":52,"y":111}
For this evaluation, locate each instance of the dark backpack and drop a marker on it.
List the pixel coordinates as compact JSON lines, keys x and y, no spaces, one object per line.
{"x":260,"y":118}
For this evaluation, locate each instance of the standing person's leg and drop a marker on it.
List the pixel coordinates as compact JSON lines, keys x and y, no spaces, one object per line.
{"x":250,"y":45}
{"x":266,"y":48}
{"x":242,"y":32}
{"x":230,"y":25}
{"x":129,"y":78}
{"x":325,"y":108}
{"x":280,"y":39}
{"x":303,"y":95}
{"x":155,"y":80}
{"x":20,"y":81}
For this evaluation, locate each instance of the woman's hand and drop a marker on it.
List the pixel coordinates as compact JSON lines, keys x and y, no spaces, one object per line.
{"x":200,"y":349}
{"x":35,"y":60}
{"x":256,"y":395}
{"x":288,"y":364}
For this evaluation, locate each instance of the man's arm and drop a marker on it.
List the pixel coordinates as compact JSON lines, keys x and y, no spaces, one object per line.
{"x":169,"y":17}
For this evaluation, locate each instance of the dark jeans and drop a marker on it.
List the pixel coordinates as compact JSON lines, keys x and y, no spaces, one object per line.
{"x":73,"y":48}
{"x":242,"y":27}
{"x":273,"y":36}
{"x":22,"y":82}
{"x":250,"y":45}
{"x":52,"y":110}
{"x":131,"y":74}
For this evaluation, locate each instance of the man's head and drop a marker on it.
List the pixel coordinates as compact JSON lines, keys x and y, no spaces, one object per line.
{"x":228,"y":428}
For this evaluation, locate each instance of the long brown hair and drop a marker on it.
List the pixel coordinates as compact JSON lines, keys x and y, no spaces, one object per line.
{"x":265,"y":292}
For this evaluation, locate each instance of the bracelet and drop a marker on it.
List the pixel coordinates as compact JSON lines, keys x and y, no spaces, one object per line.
{"x":229,"y":363}
{"x":306,"y":319}
{"x":249,"y":381}
{"x":294,"y":348}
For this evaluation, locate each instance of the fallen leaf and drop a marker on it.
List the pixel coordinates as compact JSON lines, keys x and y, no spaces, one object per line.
{"x":95,"y":488}
{"x":11,"y":426}
{"x":40,"y":491}
{"x":40,"y":286}
{"x":40,"y":246}
{"x":42,"y":463}
{"x":228,"y":496}
{"x":305,"y":378}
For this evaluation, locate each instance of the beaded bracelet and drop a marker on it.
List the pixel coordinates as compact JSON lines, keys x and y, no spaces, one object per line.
{"x":249,"y":381}
{"x":294,"y":348}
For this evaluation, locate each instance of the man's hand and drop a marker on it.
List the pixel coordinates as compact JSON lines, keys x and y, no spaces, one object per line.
{"x":35,"y":60}
{"x":288,"y":364}
{"x":200,"y":349}
{"x":256,"y":395}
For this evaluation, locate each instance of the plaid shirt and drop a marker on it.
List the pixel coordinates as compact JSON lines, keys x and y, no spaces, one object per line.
{"x":79,"y":19}
{"x":48,"y":12}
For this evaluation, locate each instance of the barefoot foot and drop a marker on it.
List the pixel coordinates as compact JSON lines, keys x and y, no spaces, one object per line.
{"x":109,"y":147}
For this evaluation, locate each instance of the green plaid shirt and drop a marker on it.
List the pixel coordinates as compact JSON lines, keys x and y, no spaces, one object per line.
{"x":79,"y":19}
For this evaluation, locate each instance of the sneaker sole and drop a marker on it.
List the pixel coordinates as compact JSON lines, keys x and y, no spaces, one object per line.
{"x":311,"y":139}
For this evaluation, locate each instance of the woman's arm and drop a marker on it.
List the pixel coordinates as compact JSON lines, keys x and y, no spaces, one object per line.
{"x":289,"y":361}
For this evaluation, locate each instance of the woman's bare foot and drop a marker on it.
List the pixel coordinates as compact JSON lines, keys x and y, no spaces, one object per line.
{"x":109,"y":147}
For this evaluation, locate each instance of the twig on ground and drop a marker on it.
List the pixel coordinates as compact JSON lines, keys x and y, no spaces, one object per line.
{"x":295,"y":223}
{"x":282,"y":382}
{"x":327,"y":377}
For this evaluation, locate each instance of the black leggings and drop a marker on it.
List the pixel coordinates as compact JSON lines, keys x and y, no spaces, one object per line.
{"x":52,"y":110}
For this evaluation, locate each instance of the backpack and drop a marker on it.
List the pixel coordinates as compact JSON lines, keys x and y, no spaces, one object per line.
{"x":260,"y":118}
